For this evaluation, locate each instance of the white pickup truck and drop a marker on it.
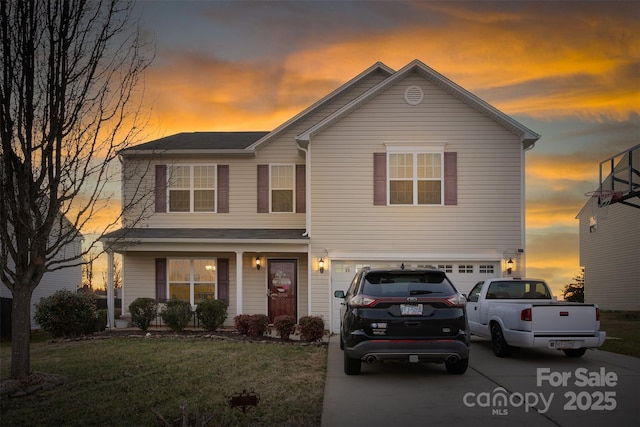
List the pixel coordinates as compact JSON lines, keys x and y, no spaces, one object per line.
{"x":515,"y":312}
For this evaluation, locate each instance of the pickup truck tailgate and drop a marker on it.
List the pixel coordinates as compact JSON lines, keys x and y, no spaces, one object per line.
{"x":564,"y":319}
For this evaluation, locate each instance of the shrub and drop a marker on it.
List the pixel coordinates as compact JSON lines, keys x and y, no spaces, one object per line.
{"x":212,"y":314}
{"x":311,"y":328}
{"x":143,"y":312}
{"x":258,"y":325}
{"x":66,"y":314}
{"x":176,"y":314}
{"x":285,"y":325}
{"x":241,"y":323}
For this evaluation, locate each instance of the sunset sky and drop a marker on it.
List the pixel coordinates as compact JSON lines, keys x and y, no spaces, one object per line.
{"x":568,"y":70}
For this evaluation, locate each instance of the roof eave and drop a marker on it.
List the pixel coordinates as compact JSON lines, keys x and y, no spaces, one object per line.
{"x":186,"y":152}
{"x":377,"y":66}
{"x":527,"y":136}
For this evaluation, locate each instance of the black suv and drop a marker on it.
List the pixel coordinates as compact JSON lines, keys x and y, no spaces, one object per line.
{"x":411,"y":315}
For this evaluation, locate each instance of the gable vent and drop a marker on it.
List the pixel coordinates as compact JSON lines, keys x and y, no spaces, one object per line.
{"x":413,"y":95}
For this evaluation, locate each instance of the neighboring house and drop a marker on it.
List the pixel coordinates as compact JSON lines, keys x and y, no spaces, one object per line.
{"x":610,"y":235}
{"x":392,"y":168}
{"x":66,"y":278}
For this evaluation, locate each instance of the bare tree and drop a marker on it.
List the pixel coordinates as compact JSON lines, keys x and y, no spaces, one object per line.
{"x":87,"y":274}
{"x":117,"y":274}
{"x":69,"y":102}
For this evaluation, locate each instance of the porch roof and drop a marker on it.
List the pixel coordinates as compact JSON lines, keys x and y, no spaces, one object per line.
{"x":214,"y":234}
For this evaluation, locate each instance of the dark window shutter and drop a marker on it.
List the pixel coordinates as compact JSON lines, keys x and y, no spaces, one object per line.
{"x":223,"y":188}
{"x":263,"y":188}
{"x":161,"y":188}
{"x":380,"y":179}
{"x":161,"y":279}
{"x":301,"y":199}
{"x":450,"y":178}
{"x":223,"y":280}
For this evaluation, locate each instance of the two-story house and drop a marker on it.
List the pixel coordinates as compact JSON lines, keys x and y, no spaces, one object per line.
{"x":609,"y":229}
{"x":392,"y":168}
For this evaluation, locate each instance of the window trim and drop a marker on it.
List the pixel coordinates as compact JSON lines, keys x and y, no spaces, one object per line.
{"x":192,"y":281}
{"x":292,"y":167}
{"x":431,"y":148}
{"x":192,"y":188}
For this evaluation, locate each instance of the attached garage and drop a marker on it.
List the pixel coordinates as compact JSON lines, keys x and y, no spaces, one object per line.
{"x":463,"y":274}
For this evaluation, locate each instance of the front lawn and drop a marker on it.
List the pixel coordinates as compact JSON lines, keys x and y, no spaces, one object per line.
{"x":123,"y":381}
{"x":623,"y":332}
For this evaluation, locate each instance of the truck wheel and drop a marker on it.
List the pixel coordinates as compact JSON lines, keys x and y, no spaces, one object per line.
{"x":499,"y":344}
{"x":575,"y":352}
{"x":351,"y":366}
{"x":457,"y":368}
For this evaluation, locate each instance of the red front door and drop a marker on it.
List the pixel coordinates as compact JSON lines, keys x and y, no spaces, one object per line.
{"x":283,"y":286}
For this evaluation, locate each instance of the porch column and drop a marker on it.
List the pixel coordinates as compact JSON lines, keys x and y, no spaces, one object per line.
{"x":110,"y":293}
{"x":239,"y":267}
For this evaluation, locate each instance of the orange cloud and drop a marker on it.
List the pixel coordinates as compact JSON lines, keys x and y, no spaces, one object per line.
{"x":553,"y":257}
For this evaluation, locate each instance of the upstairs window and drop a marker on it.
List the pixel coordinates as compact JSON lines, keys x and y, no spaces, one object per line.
{"x":282,"y":188}
{"x":415,"y":178}
{"x":191,"y":188}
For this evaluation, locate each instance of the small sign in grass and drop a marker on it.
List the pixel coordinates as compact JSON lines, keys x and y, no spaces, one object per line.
{"x":128,"y":381}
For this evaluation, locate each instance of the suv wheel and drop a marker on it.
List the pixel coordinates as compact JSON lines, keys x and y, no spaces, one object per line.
{"x":457,"y":368}
{"x":499,"y":344}
{"x":575,"y":352}
{"x":351,"y":366}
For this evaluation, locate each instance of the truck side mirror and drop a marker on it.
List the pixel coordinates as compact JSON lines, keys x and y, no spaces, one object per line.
{"x":339,"y":294}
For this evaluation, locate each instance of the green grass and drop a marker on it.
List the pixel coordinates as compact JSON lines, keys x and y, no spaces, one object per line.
{"x":625,"y":326}
{"x":118,"y":381}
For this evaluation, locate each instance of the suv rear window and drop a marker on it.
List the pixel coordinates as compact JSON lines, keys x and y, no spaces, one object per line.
{"x":409,"y":283}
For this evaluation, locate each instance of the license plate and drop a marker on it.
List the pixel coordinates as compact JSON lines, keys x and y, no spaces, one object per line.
{"x":411,"y":309}
{"x":563,"y":344}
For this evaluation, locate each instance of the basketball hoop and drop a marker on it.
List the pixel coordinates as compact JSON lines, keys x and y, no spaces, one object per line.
{"x":600,"y":201}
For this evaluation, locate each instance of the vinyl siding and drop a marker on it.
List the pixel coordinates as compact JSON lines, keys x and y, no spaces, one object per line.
{"x":139,"y":280}
{"x":488,"y":213}
{"x":140,"y":178}
{"x":611,"y":257}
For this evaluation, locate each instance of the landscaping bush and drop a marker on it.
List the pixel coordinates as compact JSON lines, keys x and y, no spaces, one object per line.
{"x":285,"y":325}
{"x":258,"y":325}
{"x":212,"y":314}
{"x":241,"y":323}
{"x":66,"y":314}
{"x":143,"y":312}
{"x":176,"y":314}
{"x":311,"y":328}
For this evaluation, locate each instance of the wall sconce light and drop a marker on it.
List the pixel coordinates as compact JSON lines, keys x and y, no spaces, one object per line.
{"x":258,"y":263}
{"x":509,"y":266}
{"x":321,"y":265}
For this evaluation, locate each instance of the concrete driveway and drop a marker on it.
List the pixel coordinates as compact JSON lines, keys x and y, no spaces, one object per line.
{"x":531,"y":388}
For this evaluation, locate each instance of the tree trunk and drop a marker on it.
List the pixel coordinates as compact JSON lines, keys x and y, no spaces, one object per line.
{"x":21,"y":332}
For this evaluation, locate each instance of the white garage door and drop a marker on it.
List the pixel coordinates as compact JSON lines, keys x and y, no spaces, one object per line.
{"x":464,"y":276}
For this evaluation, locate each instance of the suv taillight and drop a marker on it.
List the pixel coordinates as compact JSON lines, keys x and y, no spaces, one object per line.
{"x":456,"y":300}
{"x":363,"y":301}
